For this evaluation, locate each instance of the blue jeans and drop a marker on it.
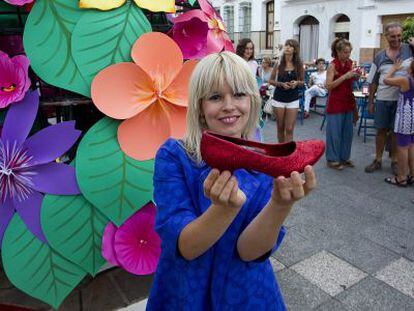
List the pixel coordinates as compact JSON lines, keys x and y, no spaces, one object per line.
{"x":339,"y":133}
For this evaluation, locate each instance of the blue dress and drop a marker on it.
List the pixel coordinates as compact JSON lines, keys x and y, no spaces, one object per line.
{"x":218,"y":279}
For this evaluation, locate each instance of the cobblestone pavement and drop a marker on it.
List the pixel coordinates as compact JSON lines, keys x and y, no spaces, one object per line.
{"x":350,"y":244}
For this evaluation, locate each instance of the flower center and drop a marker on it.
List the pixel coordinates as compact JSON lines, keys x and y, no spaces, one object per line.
{"x":216,"y":24}
{"x":6,"y":171}
{"x":142,"y":242}
{"x":15,"y":176}
{"x":9,"y":89}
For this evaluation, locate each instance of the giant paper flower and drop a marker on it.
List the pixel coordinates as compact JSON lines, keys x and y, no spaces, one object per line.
{"x":26,"y":165}
{"x":14,"y":79}
{"x":151,"y":94}
{"x":135,"y":246}
{"x":152,"y":5}
{"x":201,"y":32}
{"x":19,"y":2}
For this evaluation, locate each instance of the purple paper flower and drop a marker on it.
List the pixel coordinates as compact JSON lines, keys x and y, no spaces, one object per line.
{"x":27,"y":167}
{"x":19,"y":2}
{"x":14,"y":79}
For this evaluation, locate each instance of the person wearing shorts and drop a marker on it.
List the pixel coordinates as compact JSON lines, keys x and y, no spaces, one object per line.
{"x":404,"y":124}
{"x":287,"y":77}
{"x":386,"y":95}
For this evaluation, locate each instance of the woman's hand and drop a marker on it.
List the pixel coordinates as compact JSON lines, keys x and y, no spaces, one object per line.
{"x":223,"y":189}
{"x":285,"y":86}
{"x":349,"y":75}
{"x":294,"y":84}
{"x":287,"y":191}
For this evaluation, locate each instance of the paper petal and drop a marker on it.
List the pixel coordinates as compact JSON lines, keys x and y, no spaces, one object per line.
{"x":137,"y":245}
{"x":101,"y":5}
{"x":29,"y":212}
{"x":55,"y":178}
{"x":177,"y":91}
{"x":159,"y":56}
{"x":157,"y":5}
{"x":108,"y":238}
{"x":63,"y":135}
{"x":215,"y":42}
{"x":178,"y":116}
{"x":141,"y":136}
{"x":191,"y":36}
{"x":20,"y":118}
{"x":122,"y":90}
{"x":6,"y":213}
{"x":228,"y":45}
{"x":206,"y":7}
{"x":187,"y":16}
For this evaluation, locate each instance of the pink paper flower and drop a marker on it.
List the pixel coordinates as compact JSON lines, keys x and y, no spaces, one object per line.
{"x":14,"y":79}
{"x":135,"y":246}
{"x":201,"y":32}
{"x":19,"y":2}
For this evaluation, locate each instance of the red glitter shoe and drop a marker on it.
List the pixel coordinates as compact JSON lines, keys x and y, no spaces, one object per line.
{"x":229,"y":153}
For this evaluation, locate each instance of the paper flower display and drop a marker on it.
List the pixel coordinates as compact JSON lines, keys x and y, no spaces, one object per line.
{"x":134,"y":246}
{"x":14,"y":79}
{"x":26,"y":167}
{"x":201,"y":32}
{"x":152,"y":5}
{"x":19,"y":2}
{"x":151,"y":94}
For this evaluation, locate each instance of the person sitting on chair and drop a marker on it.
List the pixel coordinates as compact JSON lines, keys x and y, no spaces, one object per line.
{"x":317,"y":85}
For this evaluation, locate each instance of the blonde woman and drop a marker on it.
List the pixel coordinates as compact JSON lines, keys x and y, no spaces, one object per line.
{"x":218,"y":229}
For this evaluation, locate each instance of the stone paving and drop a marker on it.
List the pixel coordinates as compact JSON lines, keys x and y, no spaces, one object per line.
{"x":349,"y":246}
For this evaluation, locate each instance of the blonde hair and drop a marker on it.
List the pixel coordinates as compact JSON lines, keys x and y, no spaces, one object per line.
{"x":208,"y":76}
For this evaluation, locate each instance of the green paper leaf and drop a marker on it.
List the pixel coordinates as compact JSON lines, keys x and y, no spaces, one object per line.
{"x":104,"y":38}
{"x":47,"y":42}
{"x":192,"y":2}
{"x":74,"y":228}
{"x":113,"y":182}
{"x":35,"y":268}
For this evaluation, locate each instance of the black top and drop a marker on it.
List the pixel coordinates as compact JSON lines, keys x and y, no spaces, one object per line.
{"x":290,"y":95}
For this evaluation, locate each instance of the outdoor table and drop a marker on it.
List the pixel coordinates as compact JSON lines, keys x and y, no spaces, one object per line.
{"x":64,"y":108}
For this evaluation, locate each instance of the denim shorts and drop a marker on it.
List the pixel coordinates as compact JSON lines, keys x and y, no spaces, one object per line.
{"x":384,"y":115}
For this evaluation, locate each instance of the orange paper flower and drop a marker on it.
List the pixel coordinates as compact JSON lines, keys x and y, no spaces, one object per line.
{"x":150,"y":94}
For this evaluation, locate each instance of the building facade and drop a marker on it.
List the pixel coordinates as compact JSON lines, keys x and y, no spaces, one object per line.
{"x":252,"y":19}
{"x":313,"y":23}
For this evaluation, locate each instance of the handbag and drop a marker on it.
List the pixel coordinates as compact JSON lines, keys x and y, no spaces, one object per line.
{"x":268,"y":108}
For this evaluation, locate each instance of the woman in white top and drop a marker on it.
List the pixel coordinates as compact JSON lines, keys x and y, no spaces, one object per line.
{"x":317,"y":85}
{"x":245,"y":49}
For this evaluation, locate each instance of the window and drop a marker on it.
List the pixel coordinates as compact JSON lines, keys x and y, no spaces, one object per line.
{"x":245,"y":19}
{"x":228,"y":18}
{"x":270,"y":18}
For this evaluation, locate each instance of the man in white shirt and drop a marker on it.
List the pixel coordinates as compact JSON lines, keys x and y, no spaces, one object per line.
{"x":317,"y":85}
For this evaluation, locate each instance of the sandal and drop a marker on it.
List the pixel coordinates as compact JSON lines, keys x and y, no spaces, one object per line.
{"x":394,"y":181}
{"x":335,"y":165}
{"x":348,"y":163}
{"x":410,"y":180}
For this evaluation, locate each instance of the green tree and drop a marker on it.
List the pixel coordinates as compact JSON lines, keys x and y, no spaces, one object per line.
{"x":408,"y":28}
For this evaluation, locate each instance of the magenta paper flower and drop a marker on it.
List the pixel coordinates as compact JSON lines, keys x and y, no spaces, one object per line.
{"x":135,"y":246}
{"x":27,"y":167}
{"x":19,"y":2}
{"x":201,"y":32}
{"x":14,"y":79}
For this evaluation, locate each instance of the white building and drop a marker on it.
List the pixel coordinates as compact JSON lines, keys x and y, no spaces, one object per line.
{"x":313,"y":23}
